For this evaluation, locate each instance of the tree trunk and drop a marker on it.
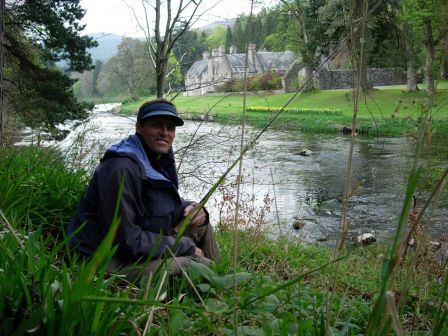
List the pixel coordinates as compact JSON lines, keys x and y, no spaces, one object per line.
{"x":160,"y":76}
{"x":365,"y":84}
{"x":411,"y":77}
{"x":443,"y":58}
{"x":132,"y":89}
{"x":429,"y":68}
{"x":308,"y":76}
{"x":360,"y":43}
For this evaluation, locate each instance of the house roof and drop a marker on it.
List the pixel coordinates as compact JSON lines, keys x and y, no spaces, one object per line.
{"x":270,"y":60}
{"x":197,"y":69}
{"x":280,"y":61}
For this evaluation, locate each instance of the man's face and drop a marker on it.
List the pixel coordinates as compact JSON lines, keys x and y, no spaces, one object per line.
{"x":158,"y":134}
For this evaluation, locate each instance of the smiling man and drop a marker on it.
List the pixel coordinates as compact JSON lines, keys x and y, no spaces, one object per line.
{"x":150,"y":209}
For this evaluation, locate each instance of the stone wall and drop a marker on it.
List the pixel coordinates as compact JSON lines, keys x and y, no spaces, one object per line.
{"x":290,"y":80}
{"x":385,"y":77}
{"x":336,"y":79}
{"x":343,"y":79}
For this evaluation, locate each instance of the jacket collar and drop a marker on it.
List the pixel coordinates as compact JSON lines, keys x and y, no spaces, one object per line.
{"x":132,"y":147}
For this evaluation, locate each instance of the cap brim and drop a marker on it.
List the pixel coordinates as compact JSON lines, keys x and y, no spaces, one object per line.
{"x":178,"y":121}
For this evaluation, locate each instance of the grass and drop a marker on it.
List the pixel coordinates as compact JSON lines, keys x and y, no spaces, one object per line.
{"x":283,"y":287}
{"x":384,"y":110}
{"x":37,"y":189}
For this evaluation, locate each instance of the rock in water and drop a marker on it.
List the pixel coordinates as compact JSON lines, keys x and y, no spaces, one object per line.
{"x":366,"y":238}
{"x":305,"y":152}
{"x":298,"y":224}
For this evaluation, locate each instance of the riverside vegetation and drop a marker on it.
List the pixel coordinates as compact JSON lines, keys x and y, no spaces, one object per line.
{"x":282,"y":287}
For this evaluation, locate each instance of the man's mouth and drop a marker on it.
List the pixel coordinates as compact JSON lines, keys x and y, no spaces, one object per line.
{"x":161,"y":141}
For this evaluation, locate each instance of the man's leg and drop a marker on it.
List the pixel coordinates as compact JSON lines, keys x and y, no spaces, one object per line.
{"x":204,"y":238}
{"x":134,"y":272}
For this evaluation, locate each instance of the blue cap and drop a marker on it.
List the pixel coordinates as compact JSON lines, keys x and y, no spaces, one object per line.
{"x":158,"y":110}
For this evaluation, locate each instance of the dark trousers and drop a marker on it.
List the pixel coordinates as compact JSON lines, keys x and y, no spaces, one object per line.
{"x":203,"y":237}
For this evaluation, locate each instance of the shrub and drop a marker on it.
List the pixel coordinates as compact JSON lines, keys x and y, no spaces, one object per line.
{"x":37,"y":189}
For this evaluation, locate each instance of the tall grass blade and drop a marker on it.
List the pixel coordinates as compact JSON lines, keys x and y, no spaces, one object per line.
{"x":442,"y":311}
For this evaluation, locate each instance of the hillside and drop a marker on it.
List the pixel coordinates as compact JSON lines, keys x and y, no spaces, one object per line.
{"x":107,"y":46}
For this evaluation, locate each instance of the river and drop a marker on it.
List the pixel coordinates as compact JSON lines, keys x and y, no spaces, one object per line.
{"x":306,"y":190}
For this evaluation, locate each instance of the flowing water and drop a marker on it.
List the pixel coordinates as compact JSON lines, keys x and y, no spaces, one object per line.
{"x":308,"y":189}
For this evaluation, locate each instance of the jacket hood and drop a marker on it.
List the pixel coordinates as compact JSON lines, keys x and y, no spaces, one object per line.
{"x":133,"y":148}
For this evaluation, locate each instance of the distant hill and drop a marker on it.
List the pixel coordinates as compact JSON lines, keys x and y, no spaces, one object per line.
{"x":108,"y":42}
{"x":107,"y":46}
{"x":208,"y":28}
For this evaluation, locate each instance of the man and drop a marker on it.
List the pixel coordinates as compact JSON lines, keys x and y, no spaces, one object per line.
{"x":150,"y":209}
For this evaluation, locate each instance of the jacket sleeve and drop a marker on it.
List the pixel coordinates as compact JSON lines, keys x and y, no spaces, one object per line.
{"x":133,"y":242}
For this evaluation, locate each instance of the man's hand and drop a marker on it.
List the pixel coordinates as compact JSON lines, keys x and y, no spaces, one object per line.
{"x":198,"y":216}
{"x":198,"y":252}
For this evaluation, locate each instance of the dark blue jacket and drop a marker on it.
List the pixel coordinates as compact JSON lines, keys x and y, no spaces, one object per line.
{"x":150,"y":205}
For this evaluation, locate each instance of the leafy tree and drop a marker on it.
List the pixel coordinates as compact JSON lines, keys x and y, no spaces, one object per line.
{"x":268,"y":23}
{"x":129,"y":70}
{"x":189,"y":48}
{"x":256,"y":36}
{"x":216,"y":38}
{"x":238,"y":35}
{"x":96,"y":73}
{"x":174,"y":78}
{"x":384,"y":39}
{"x":428,"y":19}
{"x":309,"y":31}
{"x":444,"y":57}
{"x":38,"y":34}
{"x":229,"y":39}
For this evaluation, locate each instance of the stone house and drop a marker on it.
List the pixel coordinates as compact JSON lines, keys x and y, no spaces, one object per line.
{"x":204,"y":75}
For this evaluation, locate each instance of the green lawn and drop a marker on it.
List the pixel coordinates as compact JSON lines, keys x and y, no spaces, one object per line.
{"x":389,"y":110}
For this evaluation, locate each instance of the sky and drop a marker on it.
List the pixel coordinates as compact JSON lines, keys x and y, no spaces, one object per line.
{"x":115,"y":16}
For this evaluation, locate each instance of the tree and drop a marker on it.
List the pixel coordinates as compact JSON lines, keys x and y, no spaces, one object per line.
{"x":428,"y":19}
{"x":444,"y":57}
{"x":238,"y":35}
{"x":229,"y":39}
{"x":95,"y":75}
{"x":269,"y":18}
{"x":216,"y":38}
{"x":189,"y":48}
{"x":169,"y":26}
{"x":129,"y":70}
{"x":309,"y":31}
{"x":36,"y":35}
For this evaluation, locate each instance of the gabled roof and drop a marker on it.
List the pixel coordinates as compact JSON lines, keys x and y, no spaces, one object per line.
{"x":280,"y":61}
{"x":197,"y":69}
{"x":270,"y":60}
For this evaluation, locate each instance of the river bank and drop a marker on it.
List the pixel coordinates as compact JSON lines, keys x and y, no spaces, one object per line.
{"x":385,"y":111}
{"x":281,"y":283}
{"x":307,"y":190}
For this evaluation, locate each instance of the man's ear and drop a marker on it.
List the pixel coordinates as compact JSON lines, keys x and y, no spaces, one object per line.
{"x":138,"y":127}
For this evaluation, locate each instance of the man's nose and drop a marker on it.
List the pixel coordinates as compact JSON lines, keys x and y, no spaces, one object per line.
{"x":163,"y":129}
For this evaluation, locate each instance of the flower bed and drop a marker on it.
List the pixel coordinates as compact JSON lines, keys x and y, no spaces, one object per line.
{"x":315,"y":111}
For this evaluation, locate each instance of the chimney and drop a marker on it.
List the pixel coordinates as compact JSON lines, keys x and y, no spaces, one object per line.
{"x":221,"y":50}
{"x":253,"y":60}
{"x":251,"y":54}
